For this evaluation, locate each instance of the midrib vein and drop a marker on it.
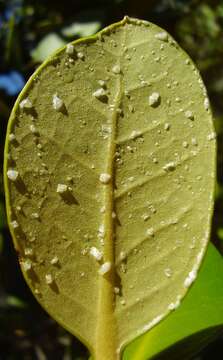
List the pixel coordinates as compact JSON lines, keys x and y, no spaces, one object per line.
{"x":106,"y":332}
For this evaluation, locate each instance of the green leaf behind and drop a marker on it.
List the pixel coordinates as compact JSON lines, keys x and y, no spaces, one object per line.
{"x":196,"y":322}
{"x":50,"y":43}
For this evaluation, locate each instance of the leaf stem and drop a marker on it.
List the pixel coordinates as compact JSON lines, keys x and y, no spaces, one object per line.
{"x":106,"y":336}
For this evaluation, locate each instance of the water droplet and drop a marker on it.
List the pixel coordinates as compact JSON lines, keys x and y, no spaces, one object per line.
{"x":26,"y":265}
{"x":97,"y":254}
{"x":189,"y":114}
{"x":105,"y":268}
{"x":190,"y":279}
{"x":12,"y":137}
{"x":122,"y":302}
{"x":129,"y":148}
{"x":200,"y":256}
{"x":131,"y":178}
{"x":33,"y":129}
{"x":102,"y":83}
{"x":62,"y":188}
{"x":58,"y":103}
{"x":119,"y":111}
{"x":127,"y":57}
{"x":131,"y":108}
{"x":122,"y":255}
{"x":169,"y":102}
{"x":114,"y":43}
{"x":69,"y":179}
{"x":80,"y":55}
{"x":173,"y":306}
{"x":28,"y":252}
{"x":12,"y":174}
{"x":105,"y":178}
{"x":168,"y":272}
{"x":100,"y":93}
{"x":185,"y":144}
{"x":35,"y":215}
{"x":116,"y":69}
{"x":211,"y":136}
{"x":163,"y":36}
{"x":39,"y":146}
{"x":166,"y":126}
{"x":194,"y":142}
{"x":150,"y":232}
{"x":134,"y":134}
{"x":169,"y":166}
{"x":70,"y":61}
{"x":155,"y":160}
{"x":54,"y":260}
{"x":69,"y":49}
{"x":84,"y":251}
{"x":145,"y":217}
{"x":154,"y":99}
{"x":116,"y":290}
{"x":101,"y":230}
{"x":206,"y":104}
{"x":49,"y":279}
{"x":123,"y":268}
{"x":103,"y":209}
{"x":14,"y":224}
{"x":25,"y":104}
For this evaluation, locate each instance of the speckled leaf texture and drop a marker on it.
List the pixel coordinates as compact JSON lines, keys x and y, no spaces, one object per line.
{"x":109,"y":175}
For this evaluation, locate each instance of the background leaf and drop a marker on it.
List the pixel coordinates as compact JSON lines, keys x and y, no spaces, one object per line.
{"x":50,"y":43}
{"x":84,"y":24}
{"x":197,"y":321}
{"x":81,"y":29}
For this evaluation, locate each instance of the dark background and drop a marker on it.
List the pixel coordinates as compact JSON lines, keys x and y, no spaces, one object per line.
{"x":26,"y":331}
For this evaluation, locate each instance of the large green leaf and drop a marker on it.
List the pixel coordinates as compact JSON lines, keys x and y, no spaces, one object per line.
{"x":109,"y":176}
{"x":85,"y":23}
{"x":81,"y":29}
{"x":198,"y":320}
{"x":46,"y":46}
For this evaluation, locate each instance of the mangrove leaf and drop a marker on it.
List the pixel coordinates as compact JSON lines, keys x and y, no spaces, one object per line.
{"x":109,"y":176}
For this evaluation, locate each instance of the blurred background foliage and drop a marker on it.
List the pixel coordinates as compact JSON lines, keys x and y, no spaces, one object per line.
{"x":29,"y":31}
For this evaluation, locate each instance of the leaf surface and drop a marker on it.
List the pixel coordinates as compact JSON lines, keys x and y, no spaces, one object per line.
{"x":109,"y":175}
{"x":196,"y":322}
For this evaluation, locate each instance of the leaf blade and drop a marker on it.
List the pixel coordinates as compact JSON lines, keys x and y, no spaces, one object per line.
{"x":72,"y":220}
